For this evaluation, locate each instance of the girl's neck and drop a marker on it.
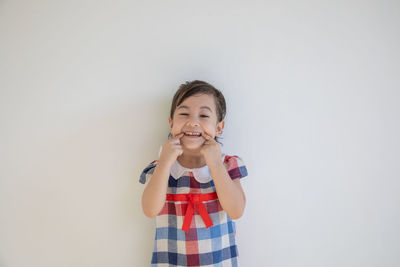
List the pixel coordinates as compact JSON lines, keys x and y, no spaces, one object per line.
{"x":191,"y":160}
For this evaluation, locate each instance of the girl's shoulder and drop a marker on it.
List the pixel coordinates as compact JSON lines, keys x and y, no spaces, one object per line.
{"x":235,"y":166}
{"x":147,"y":172}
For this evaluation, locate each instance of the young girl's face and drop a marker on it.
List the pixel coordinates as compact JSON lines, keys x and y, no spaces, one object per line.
{"x":197,"y":114}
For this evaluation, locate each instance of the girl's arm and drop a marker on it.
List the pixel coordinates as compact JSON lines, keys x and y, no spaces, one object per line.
{"x":154,"y":194}
{"x":230,"y":192}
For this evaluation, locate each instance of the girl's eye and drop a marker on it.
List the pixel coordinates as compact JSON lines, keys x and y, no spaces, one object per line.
{"x":204,"y":116}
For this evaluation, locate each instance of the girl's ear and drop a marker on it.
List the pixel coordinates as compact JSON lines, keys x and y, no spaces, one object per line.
{"x":170,"y":122}
{"x":220,"y":127}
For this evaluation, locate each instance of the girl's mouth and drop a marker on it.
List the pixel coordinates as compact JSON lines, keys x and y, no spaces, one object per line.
{"x":192,"y":135}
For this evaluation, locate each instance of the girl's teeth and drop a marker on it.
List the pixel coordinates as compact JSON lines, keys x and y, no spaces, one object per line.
{"x":192,"y":134}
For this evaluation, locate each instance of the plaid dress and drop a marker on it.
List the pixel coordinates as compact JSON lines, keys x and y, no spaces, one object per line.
{"x":201,"y":246}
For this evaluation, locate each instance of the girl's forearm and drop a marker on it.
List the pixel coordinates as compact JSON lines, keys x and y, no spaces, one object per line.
{"x":230,"y":195}
{"x":154,"y":195}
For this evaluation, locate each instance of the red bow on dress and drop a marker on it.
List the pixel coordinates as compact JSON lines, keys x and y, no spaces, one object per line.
{"x":194,"y":200}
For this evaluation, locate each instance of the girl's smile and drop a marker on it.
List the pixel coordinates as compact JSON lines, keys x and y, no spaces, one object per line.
{"x":191,"y":136}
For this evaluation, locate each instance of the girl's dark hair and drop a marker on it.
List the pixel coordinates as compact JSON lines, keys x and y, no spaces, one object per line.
{"x":195,"y":87}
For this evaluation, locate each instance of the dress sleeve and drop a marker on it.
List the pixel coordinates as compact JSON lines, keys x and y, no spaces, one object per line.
{"x":148,"y":172}
{"x":235,"y":166}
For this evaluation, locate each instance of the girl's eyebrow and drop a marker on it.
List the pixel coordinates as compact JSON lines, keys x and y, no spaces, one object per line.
{"x":202,"y":107}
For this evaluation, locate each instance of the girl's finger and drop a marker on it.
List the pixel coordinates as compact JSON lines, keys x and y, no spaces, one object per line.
{"x":179,"y":135}
{"x":206,"y":136}
{"x":176,"y":139}
{"x":204,"y":131}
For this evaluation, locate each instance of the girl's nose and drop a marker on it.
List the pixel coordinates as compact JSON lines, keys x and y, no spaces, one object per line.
{"x":194,"y":123}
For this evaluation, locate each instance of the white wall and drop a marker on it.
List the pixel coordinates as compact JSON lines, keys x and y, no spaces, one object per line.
{"x":312,"y":89}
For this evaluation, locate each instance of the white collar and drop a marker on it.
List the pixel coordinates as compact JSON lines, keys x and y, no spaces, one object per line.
{"x":202,"y":175}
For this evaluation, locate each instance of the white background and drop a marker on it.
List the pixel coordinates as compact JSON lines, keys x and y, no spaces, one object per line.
{"x":312,"y":89}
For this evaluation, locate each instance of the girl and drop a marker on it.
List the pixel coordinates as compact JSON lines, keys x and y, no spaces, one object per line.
{"x":193,"y":189}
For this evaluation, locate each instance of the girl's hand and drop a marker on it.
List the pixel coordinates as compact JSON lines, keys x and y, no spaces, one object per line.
{"x":210,"y":150}
{"x":171,"y":149}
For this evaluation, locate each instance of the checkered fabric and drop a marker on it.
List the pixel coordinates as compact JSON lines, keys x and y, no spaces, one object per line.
{"x":213,"y":246}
